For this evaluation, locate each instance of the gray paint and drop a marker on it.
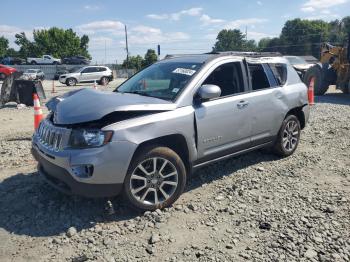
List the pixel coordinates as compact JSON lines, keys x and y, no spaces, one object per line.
{"x":89,"y":104}
{"x":224,"y":123}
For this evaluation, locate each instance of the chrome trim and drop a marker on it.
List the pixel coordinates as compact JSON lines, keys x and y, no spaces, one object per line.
{"x":52,"y":137}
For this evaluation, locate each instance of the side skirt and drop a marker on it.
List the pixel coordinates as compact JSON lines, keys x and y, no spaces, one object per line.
{"x":197,"y":166}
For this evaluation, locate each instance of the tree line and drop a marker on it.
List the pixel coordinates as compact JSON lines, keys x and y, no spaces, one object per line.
{"x":298,"y":37}
{"x":55,"y":41}
{"x":138,"y":62}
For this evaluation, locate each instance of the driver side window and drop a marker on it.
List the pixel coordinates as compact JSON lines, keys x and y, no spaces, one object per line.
{"x":228,"y":77}
{"x":87,"y":70}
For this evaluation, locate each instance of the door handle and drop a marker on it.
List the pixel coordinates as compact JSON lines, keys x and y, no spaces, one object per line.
{"x":242,"y":104}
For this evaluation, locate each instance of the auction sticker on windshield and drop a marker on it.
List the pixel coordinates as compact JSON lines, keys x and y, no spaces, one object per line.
{"x":184,"y":71}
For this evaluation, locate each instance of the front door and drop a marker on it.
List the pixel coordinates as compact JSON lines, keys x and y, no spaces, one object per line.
{"x":88,"y":74}
{"x":223,"y":124}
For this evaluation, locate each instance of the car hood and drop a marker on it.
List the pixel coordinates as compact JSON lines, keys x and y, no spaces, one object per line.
{"x":87,"y":105}
{"x":71,"y":74}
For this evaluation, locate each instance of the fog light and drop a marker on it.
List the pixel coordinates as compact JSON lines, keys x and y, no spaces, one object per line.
{"x":83,"y":171}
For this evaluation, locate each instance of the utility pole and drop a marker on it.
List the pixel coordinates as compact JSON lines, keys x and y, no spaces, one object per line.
{"x":246,"y":33}
{"x":105,"y":53}
{"x":127,"y":50}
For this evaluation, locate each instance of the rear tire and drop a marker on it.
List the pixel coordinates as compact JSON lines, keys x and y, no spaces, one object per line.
{"x":288,"y":137}
{"x":104,"y":81}
{"x":150,"y":186}
{"x":346,"y":89}
{"x":71,"y":82}
{"x":33,"y":63}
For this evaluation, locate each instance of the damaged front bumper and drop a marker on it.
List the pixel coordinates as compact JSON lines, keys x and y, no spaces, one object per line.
{"x":93,"y":172}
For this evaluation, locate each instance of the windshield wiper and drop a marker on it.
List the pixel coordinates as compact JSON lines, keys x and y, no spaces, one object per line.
{"x":137,"y":92}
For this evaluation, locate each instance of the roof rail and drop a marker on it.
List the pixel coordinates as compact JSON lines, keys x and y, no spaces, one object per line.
{"x":179,"y":55}
{"x":247,"y":54}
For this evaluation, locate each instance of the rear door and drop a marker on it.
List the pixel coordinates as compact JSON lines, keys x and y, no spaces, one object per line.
{"x":266,"y":107}
{"x":223,"y":123}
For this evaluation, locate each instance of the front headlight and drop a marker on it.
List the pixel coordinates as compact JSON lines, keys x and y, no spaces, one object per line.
{"x":84,"y":138}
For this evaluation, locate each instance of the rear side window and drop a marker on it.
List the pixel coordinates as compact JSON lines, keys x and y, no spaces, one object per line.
{"x":258,"y":77}
{"x":102,"y":69}
{"x":280,"y":72}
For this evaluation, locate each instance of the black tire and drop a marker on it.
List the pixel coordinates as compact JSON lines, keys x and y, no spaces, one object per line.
{"x":33,"y":63}
{"x":55,"y":63}
{"x":279,"y":147}
{"x":71,"y":82}
{"x":104,"y":81}
{"x":2,"y":76}
{"x":320,"y":87}
{"x":148,"y":154}
{"x":346,"y":88}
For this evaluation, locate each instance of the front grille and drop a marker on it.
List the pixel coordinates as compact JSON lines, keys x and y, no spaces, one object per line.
{"x":51,"y":136}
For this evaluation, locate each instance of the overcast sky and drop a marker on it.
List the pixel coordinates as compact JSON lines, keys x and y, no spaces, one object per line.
{"x":183,"y":26}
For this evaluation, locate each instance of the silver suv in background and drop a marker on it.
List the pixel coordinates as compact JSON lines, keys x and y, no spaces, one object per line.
{"x":145,"y":138}
{"x":88,"y":74}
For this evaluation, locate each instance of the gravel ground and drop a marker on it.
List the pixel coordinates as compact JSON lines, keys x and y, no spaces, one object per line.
{"x":255,"y":207}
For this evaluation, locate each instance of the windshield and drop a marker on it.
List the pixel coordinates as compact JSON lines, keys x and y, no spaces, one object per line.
{"x":161,"y":80}
{"x":295,"y":60}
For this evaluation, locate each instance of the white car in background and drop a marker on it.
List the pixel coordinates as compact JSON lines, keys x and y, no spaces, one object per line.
{"x":33,"y":74}
{"x":88,"y":74}
{"x":44,"y":60}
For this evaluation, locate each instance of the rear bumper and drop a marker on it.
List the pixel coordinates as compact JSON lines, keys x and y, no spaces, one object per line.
{"x":62,"y":180}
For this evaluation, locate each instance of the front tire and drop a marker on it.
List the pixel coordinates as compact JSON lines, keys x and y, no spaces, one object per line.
{"x":156,"y":178}
{"x":288,"y":137}
{"x":33,"y":63}
{"x":71,"y":82}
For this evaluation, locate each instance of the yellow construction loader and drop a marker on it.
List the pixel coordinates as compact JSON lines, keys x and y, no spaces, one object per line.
{"x":334,"y":69}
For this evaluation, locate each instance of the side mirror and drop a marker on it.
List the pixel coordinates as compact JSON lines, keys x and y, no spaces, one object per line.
{"x":207,"y":92}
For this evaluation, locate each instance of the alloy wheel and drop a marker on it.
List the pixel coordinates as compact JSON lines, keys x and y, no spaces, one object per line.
{"x":290,"y":135}
{"x":153,"y":181}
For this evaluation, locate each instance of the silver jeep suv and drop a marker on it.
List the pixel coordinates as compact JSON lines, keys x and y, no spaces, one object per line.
{"x":145,"y":138}
{"x":88,"y":74}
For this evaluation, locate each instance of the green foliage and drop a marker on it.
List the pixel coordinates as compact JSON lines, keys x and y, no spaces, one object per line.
{"x":4,"y":44}
{"x":233,"y":40}
{"x":26,"y":47}
{"x":138,"y":62}
{"x":303,"y":37}
{"x":229,"y":40}
{"x":135,"y":62}
{"x":55,"y":41}
{"x":12,"y":52}
{"x":150,"y":57}
{"x":60,"y":43}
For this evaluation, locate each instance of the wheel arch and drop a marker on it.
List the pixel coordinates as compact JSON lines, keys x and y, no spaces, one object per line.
{"x":175,"y":142}
{"x":72,"y":77}
{"x":298,"y":112}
